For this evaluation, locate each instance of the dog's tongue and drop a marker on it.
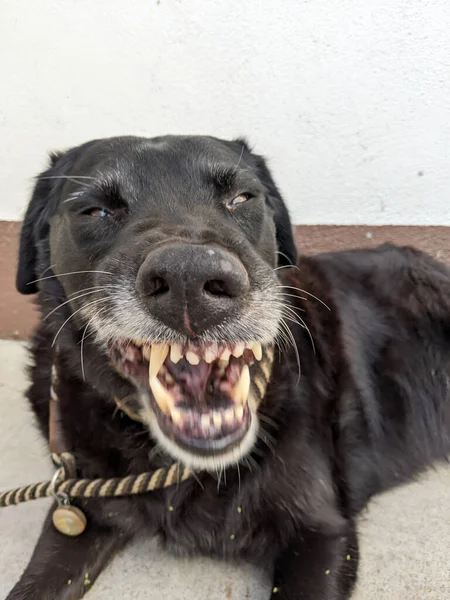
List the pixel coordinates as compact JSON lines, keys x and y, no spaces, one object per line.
{"x":193,"y":381}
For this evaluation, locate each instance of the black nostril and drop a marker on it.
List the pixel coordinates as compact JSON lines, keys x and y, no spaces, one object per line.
{"x":157,"y":286}
{"x":216,"y":287}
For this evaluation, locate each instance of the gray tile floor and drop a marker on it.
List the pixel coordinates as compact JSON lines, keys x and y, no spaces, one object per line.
{"x":405,"y":535}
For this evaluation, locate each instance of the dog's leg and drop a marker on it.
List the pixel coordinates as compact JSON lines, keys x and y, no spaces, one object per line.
{"x":65,"y":568}
{"x":316,"y":567}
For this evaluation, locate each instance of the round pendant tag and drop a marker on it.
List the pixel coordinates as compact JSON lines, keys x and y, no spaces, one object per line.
{"x":69,"y":520}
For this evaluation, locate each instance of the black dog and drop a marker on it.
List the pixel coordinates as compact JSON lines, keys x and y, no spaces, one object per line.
{"x":165,"y":276}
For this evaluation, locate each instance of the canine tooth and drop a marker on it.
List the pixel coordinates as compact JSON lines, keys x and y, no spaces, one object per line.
{"x":162,"y":397}
{"x":217,"y":419}
{"x":175,"y":413}
{"x":229,"y":416}
{"x":257,"y":351}
{"x":175,"y":353}
{"x":209,"y":355}
{"x":239,"y":412}
{"x":238,"y":350}
{"x":205,"y":421}
{"x":146,"y":352}
{"x":192,"y":358}
{"x":158,"y":356}
{"x":223,"y":364}
{"x":225,"y":355}
{"x":242,"y":387}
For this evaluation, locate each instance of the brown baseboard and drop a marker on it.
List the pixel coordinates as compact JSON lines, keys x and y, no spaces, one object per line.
{"x":18,"y":315}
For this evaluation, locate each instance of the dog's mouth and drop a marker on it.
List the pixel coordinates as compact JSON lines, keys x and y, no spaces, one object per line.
{"x":201,"y":398}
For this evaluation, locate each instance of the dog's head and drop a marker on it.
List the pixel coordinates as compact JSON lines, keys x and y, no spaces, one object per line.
{"x":165,"y":251}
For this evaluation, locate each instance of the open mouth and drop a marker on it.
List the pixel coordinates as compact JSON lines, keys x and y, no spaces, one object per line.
{"x":201,"y":398}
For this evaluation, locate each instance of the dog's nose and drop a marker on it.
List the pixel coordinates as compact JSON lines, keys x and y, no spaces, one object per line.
{"x":192,"y":287}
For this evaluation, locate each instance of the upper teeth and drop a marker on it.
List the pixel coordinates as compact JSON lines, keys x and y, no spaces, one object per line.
{"x":209,"y":355}
{"x":257,"y":351}
{"x":157,"y":354}
{"x":192,"y":358}
{"x":238,"y":350}
{"x":175,"y":353}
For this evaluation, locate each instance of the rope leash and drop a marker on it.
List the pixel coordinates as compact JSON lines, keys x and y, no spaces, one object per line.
{"x":114,"y":487}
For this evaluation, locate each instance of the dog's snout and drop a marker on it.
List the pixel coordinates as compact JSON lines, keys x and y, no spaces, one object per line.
{"x":202,"y":282}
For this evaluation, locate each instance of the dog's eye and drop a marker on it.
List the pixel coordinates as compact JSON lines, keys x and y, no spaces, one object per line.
{"x":239,"y":200}
{"x":97,"y":212}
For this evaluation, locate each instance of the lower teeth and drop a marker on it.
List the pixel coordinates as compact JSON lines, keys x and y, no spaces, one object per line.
{"x":207,"y":421}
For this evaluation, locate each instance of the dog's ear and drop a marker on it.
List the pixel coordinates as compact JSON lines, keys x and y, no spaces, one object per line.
{"x":287,"y":251}
{"x":36,"y":224}
{"x":33,"y":229}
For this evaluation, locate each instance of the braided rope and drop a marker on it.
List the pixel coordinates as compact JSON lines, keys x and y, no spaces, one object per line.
{"x":114,"y":487}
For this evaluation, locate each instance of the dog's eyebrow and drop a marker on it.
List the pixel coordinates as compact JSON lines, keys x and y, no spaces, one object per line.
{"x":223,"y":177}
{"x":110,"y":187}
{"x":106,"y":185}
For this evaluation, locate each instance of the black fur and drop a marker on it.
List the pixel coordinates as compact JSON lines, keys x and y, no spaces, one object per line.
{"x":371,"y":409}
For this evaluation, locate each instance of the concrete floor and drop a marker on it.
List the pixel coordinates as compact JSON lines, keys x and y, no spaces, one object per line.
{"x":405,"y":535}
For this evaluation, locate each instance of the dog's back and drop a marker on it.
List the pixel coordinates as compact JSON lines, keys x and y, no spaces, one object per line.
{"x":394,"y":307}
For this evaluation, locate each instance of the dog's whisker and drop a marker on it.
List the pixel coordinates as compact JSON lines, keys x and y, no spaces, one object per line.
{"x":66,"y":274}
{"x":291,"y":287}
{"x":74,"y":313}
{"x":94,"y":287}
{"x":293,"y":344}
{"x":292,"y":311}
{"x":157,"y":450}
{"x":70,"y":300}
{"x":197,"y":479}
{"x":83,"y":181}
{"x":47,"y":269}
{"x":267,"y":434}
{"x":69,"y":177}
{"x":265,"y":441}
{"x":271,"y":422}
{"x":302,"y":324}
{"x":240,"y":156}
{"x":286,"y":267}
{"x":285,"y":256}
{"x":285,"y":294}
{"x":82,"y":342}
{"x":250,"y":462}
{"x":293,"y":318}
{"x":219,"y":472}
{"x":281,"y":341}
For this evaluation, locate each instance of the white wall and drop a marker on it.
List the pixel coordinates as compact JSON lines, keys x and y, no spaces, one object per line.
{"x":350,"y":99}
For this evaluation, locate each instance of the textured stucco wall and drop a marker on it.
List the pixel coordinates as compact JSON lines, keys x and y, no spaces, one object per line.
{"x":349,"y":99}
